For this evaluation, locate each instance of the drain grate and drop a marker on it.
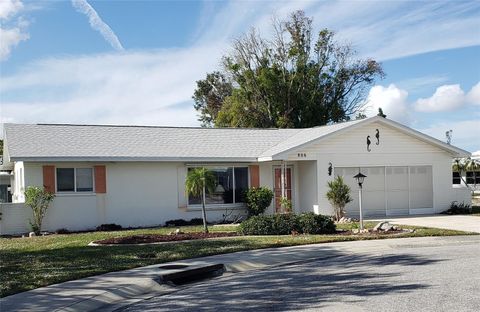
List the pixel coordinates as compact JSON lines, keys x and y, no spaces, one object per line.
{"x":193,"y":274}
{"x":173,"y":266}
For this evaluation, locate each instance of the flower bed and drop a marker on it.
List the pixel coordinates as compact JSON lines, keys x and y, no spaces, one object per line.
{"x":158,"y":238}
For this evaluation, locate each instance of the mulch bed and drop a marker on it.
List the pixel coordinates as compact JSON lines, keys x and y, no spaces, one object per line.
{"x":158,"y":238}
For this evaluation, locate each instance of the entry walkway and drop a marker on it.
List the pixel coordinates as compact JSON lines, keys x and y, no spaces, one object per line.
{"x":456,"y":222}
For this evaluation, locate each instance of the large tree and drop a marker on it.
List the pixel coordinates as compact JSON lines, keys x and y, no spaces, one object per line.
{"x":291,"y":80}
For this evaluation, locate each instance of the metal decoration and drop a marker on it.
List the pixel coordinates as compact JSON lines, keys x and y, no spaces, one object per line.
{"x":377,"y":135}
{"x":330,"y":168}
{"x":368,"y":143}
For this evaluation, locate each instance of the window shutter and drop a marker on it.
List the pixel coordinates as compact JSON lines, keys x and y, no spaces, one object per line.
{"x":100,"y":179}
{"x":49,"y":178}
{"x":254,"y":176}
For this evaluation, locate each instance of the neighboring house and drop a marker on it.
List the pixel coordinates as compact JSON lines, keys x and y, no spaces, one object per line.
{"x":135,"y":175}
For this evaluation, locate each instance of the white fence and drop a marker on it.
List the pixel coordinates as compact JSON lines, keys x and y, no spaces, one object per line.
{"x":14,"y":218}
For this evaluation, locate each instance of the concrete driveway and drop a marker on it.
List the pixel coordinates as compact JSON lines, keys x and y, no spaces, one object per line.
{"x":456,"y":222}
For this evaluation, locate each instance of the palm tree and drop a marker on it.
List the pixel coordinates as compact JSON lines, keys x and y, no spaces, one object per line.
{"x":338,"y":196}
{"x":462,"y":165}
{"x":198,"y":182}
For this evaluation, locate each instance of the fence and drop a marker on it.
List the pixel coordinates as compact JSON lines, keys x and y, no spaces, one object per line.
{"x":14,"y":218}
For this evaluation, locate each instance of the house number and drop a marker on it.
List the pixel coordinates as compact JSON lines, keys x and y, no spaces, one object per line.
{"x":302,"y":155}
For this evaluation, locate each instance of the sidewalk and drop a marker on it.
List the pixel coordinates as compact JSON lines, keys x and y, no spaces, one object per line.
{"x":113,"y":290}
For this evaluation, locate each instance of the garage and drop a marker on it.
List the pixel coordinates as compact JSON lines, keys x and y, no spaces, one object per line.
{"x":390,"y":190}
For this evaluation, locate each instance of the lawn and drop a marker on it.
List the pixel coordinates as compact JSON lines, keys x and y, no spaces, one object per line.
{"x":28,"y":263}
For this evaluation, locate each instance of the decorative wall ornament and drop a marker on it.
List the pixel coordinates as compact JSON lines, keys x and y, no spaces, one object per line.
{"x":368,"y":143}
{"x":330,"y":167}
{"x":377,"y":135}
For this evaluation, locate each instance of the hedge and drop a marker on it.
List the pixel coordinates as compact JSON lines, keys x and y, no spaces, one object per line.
{"x":284,"y":224}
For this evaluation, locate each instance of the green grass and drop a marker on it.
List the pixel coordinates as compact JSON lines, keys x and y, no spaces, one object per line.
{"x":28,"y":263}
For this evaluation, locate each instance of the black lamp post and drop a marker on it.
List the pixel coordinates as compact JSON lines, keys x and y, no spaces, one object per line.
{"x":360,"y":177}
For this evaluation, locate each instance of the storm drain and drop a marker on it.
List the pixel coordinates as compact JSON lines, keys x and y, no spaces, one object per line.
{"x":187,"y":275}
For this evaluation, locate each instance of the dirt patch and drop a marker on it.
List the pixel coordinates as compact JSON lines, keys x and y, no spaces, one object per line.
{"x":158,"y":238}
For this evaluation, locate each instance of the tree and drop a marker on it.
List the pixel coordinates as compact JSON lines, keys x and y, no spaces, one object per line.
{"x":39,"y":200}
{"x":258,"y":199}
{"x":295,"y":80}
{"x":339,"y":196}
{"x":380,"y":113}
{"x":200,"y":181}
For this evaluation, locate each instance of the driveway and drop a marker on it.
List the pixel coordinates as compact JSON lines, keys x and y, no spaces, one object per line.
{"x":456,"y":222}
{"x":428,"y":274}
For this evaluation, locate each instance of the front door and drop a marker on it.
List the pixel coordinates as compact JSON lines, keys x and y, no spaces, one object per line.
{"x":278,"y":187}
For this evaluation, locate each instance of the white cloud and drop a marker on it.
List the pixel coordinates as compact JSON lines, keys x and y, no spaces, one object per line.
{"x":445,"y":98}
{"x":473,"y":96}
{"x":9,"y":8}
{"x":11,"y":36}
{"x":97,"y":23}
{"x":462,"y":133}
{"x":392,"y":100}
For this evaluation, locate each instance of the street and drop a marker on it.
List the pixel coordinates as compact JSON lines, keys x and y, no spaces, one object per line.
{"x":444,"y":276}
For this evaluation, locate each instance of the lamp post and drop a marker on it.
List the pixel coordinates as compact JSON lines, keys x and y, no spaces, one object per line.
{"x":360,"y":177}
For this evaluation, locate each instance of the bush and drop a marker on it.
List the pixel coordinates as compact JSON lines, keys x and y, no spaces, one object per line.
{"x":182,"y":222}
{"x":109,"y":227}
{"x":312,"y":223}
{"x":284,"y":224}
{"x":39,"y":200}
{"x":339,"y":196}
{"x":62,"y":231}
{"x":258,"y":199}
{"x":458,"y":208}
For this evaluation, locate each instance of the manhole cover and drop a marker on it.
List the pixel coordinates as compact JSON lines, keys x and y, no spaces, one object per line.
{"x":173,"y":266}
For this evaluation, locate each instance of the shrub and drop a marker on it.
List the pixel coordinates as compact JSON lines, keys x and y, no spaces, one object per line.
{"x":284,"y":224}
{"x":258,"y":199}
{"x":182,"y":222}
{"x":39,"y":200}
{"x":62,"y":231}
{"x":458,"y":208}
{"x":109,"y":227}
{"x":312,"y":223}
{"x":339,"y":196}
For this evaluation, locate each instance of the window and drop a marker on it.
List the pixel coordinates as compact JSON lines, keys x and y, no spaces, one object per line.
{"x":456,"y":178}
{"x":230,"y":186}
{"x":74,"y":180}
{"x":473,"y":177}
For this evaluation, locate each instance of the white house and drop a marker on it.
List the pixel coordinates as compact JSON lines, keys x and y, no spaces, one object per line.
{"x":135,"y":175}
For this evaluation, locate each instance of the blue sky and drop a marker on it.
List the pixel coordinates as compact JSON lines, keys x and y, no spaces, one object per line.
{"x":136,"y":62}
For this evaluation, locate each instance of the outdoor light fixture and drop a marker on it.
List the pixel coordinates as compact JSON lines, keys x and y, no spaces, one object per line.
{"x":360,"y":178}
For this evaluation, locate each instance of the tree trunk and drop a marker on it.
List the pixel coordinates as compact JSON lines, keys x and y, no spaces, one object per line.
{"x":204,"y":214}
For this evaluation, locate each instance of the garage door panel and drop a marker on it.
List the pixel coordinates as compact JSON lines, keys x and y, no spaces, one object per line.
{"x":397,"y":203}
{"x":421,"y":189}
{"x":373,"y":203}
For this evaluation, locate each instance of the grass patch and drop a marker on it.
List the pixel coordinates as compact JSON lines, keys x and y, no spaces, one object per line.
{"x":28,"y":263}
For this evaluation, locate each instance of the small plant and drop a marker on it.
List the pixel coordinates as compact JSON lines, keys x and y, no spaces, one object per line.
{"x":286,"y":205}
{"x":109,"y":227}
{"x":182,"y":222}
{"x":458,"y":208}
{"x":39,"y":200}
{"x":339,"y":196}
{"x":258,"y":199}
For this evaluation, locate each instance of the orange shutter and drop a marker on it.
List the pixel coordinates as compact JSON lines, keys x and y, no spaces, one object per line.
{"x":49,"y":178}
{"x":100,"y":179}
{"x":254,"y":176}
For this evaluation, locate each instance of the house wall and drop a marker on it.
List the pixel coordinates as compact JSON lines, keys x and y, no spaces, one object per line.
{"x":395,"y":149}
{"x":138,"y":194}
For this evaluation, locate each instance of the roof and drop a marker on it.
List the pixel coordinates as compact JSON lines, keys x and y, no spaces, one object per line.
{"x":54,"y":142}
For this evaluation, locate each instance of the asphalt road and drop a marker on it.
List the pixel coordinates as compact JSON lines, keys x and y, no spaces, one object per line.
{"x":444,"y":276}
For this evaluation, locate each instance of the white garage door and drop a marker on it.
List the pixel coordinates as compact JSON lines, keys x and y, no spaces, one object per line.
{"x":390,"y":190}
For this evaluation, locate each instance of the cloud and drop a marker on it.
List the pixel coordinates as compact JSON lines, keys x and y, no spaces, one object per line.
{"x":473,"y":96}
{"x":9,"y":8}
{"x":445,"y":98}
{"x":97,"y":24}
{"x":12,"y":35}
{"x":391,"y":99}
{"x":462,"y":134}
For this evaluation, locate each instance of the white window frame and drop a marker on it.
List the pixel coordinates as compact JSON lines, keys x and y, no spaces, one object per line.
{"x":75,"y":181}
{"x":221,"y":205}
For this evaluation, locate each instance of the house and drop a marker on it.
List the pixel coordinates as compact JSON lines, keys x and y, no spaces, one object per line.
{"x":135,"y":175}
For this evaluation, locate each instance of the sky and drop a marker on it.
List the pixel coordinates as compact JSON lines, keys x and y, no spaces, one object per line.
{"x":136,"y":62}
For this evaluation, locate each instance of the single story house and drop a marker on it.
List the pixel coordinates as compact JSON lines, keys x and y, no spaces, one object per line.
{"x":135,"y":175}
